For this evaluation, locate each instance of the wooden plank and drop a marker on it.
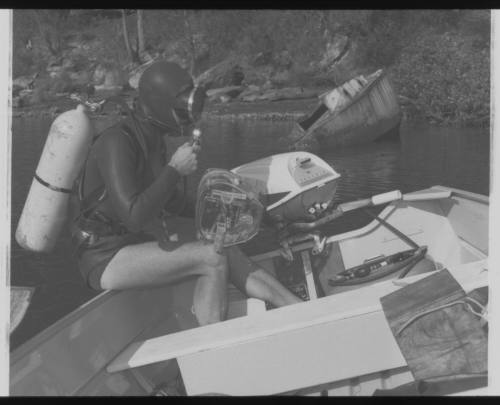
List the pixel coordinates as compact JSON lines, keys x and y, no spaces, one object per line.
{"x":279,"y":321}
{"x":298,"y":359}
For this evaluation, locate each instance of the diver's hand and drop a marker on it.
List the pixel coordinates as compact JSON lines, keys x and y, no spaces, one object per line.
{"x":184,"y":160}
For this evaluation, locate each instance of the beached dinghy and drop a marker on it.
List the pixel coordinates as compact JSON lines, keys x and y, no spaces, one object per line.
{"x":337,"y":343}
{"x":361,"y":110}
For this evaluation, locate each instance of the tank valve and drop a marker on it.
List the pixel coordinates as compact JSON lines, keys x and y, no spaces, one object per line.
{"x":196,"y":136}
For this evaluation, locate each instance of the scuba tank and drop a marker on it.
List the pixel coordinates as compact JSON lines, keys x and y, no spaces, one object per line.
{"x":45,"y":210}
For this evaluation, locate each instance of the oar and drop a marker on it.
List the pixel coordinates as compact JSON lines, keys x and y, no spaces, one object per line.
{"x":394,"y":196}
{"x":407,"y":239}
{"x":371,"y":202}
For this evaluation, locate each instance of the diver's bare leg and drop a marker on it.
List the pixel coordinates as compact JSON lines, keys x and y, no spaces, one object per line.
{"x":146,"y":264}
{"x":210,"y":297}
{"x":257,"y":282}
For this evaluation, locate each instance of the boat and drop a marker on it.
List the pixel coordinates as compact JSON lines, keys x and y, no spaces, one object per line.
{"x":363,"y":109}
{"x":337,"y":342}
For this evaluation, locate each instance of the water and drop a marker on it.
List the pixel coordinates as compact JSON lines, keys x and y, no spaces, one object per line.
{"x":425,"y":156}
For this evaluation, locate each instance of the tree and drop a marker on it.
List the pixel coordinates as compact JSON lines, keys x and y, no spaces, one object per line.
{"x":52,"y":25}
{"x":191,"y":41}
{"x":140,"y":33}
{"x":135,"y":54}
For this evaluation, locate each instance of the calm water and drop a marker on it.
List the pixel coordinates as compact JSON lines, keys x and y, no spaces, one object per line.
{"x":425,"y":156}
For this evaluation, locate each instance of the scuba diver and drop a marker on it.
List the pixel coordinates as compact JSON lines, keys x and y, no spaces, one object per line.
{"x":128,"y":187}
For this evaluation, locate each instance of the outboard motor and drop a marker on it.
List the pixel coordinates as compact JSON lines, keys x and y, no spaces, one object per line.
{"x":278,"y":190}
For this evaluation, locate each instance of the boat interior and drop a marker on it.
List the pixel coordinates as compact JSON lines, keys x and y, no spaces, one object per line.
{"x":113,"y":327}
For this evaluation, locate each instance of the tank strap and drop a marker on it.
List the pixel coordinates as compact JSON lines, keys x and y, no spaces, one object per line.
{"x":50,"y":186}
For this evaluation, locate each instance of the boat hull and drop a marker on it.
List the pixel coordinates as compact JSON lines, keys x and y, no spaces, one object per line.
{"x":371,"y":114}
{"x":125,"y":343}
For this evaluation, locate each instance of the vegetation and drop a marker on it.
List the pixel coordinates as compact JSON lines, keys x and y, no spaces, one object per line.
{"x":439,"y":60}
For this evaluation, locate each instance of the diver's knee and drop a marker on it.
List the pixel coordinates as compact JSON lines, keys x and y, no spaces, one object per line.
{"x":213,"y":259}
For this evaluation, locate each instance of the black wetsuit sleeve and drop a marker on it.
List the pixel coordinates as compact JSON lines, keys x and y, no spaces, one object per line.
{"x":134,"y":202}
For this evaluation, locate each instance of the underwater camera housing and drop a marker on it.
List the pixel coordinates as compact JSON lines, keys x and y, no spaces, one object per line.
{"x":278,"y":190}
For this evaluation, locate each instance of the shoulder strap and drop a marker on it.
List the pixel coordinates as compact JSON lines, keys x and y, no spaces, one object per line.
{"x":100,"y":190}
{"x":89,"y":203}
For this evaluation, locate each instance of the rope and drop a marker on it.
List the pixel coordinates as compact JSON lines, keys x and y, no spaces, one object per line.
{"x":464,"y":302}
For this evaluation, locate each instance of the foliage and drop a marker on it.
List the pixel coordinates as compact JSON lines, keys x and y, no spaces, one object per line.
{"x":447,"y":76}
{"x":437,"y":58}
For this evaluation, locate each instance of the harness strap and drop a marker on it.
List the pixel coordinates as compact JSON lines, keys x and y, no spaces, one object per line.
{"x":85,"y":207}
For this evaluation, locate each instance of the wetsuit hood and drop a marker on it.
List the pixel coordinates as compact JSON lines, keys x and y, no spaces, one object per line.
{"x":161,"y":90}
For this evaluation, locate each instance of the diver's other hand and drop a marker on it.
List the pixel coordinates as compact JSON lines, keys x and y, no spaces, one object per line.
{"x":184,"y":160}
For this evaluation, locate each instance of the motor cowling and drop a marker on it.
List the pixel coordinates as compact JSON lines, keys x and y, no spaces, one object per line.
{"x":293,"y":186}
{"x":45,"y":210}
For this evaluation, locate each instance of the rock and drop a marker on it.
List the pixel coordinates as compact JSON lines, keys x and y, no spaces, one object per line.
{"x":283,"y":60}
{"x":25,"y":93}
{"x":17,"y":102}
{"x":228,"y":93}
{"x":80,"y":78}
{"x":262,"y":58}
{"x":287,"y":93}
{"x":23,"y":82}
{"x":258,"y":75}
{"x":136,"y":73}
{"x":99,"y":74}
{"x":55,"y":67}
{"x":335,"y":50}
{"x":252,"y":88}
{"x":147,"y":57}
{"x":23,"y":99}
{"x":250,"y":93}
{"x":68,"y":64}
{"x":221,"y":75}
{"x":267,"y":85}
{"x":108,"y":78}
{"x":55,"y":71}
{"x":54,"y":110}
{"x":281,"y":78}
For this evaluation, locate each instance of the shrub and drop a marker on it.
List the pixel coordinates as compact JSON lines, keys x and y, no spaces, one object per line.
{"x":447,"y":76}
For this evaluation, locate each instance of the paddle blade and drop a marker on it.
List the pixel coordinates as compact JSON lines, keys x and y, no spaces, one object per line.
{"x":20,"y":299}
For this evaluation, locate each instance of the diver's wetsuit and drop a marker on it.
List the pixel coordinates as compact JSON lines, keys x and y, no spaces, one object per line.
{"x":138,"y":185}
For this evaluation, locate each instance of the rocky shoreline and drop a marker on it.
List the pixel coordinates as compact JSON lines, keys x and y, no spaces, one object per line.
{"x":284,"y":110}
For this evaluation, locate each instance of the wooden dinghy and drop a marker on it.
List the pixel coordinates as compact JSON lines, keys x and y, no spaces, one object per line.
{"x":338,"y":342}
{"x":361,"y":110}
